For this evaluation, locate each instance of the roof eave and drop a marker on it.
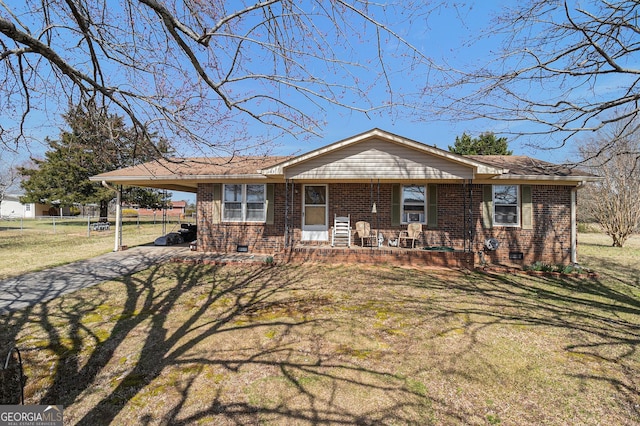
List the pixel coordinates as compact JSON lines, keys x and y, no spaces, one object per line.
{"x":551,"y":178}
{"x":120,"y":179}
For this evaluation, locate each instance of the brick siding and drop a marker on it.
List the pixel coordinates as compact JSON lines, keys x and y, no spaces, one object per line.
{"x":548,"y":241}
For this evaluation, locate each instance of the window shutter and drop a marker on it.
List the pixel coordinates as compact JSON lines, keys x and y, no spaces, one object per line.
{"x":395,"y":205}
{"x":487,"y":206}
{"x":216,"y":211}
{"x":270,"y":203}
{"x":432,"y":207}
{"x":527,"y":207}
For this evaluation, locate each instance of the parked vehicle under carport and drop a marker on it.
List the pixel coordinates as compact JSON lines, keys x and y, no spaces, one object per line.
{"x":185,"y":234}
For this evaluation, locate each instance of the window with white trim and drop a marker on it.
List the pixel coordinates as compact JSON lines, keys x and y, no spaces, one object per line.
{"x":414,"y":203}
{"x":506,"y":205}
{"x":244,"y":203}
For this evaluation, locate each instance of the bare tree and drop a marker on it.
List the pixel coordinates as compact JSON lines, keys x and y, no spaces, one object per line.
{"x":9,"y":177}
{"x":614,"y":202}
{"x":564,"y":67}
{"x":191,"y":69}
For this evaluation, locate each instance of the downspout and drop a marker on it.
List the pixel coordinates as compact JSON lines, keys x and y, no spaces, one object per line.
{"x":574,"y":223}
{"x":374,"y":209}
{"x":292,"y":220}
{"x":464,"y":216}
{"x":117,"y":245}
{"x":378,"y":220}
{"x":469,"y":215}
{"x":286,"y":213}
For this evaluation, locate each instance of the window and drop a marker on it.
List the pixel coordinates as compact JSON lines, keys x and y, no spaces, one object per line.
{"x":506,"y":205}
{"x":244,"y":203}
{"x":414,"y":203}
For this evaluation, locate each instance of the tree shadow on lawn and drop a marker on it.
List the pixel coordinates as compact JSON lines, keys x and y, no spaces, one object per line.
{"x":86,"y":332}
{"x":167,"y":349}
{"x":600,"y":316}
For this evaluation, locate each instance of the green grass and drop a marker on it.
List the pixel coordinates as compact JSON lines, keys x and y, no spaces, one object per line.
{"x":595,"y":251}
{"x":337,"y":344}
{"x":33,"y":245}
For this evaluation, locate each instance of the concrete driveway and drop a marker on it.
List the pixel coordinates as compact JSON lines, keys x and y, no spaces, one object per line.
{"x":36,"y":287}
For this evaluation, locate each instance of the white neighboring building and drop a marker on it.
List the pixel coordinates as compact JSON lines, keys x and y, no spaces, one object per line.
{"x":11,"y":207}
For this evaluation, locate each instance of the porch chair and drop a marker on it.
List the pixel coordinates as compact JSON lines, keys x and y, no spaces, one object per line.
{"x":413,"y":232}
{"x":341,"y":231}
{"x":363,"y":229}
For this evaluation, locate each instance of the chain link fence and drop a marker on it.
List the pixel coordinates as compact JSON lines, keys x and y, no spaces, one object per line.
{"x":89,"y":225}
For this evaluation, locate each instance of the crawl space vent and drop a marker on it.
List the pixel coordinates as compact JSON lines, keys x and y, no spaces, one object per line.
{"x":516,"y":255}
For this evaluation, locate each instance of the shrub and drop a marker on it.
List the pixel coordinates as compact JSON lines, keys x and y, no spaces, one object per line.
{"x":537,"y":266}
{"x":588,"y":228}
{"x":560,"y":268}
{"x":129,"y":213}
{"x":564,"y":269}
{"x":547,"y":268}
{"x":540,"y":266}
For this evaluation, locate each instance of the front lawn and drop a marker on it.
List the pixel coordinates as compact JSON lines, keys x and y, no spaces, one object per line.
{"x":335,"y":344}
{"x":32,"y":245}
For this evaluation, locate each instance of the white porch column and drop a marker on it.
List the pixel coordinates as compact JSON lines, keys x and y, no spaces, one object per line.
{"x":117,"y":244}
{"x":574,"y":226}
{"x":118,"y":238}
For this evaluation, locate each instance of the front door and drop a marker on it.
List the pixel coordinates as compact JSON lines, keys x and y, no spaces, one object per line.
{"x":315,"y":213}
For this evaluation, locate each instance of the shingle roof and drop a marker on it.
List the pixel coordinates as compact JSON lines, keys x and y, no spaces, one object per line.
{"x":192,"y":167}
{"x":185,"y":174}
{"x":227,"y":166}
{"x":519,"y":165}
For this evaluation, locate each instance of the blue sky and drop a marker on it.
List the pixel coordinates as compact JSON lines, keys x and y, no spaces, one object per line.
{"x":444,"y":34}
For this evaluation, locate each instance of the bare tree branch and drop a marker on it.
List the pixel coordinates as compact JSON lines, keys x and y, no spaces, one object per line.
{"x":564,"y":68}
{"x":9,"y":177}
{"x":613,"y":202}
{"x":194,"y":70}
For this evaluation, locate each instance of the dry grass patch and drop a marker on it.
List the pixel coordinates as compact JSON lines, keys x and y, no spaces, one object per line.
{"x":298,"y":344}
{"x":37,"y":247}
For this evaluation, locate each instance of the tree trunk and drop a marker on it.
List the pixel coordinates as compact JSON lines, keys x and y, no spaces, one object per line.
{"x":104,"y":211}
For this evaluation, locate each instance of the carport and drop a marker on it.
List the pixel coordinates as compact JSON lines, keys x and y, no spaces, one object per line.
{"x":166,"y":174}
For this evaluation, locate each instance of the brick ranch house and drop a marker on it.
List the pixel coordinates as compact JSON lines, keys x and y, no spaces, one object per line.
{"x":466,"y":204}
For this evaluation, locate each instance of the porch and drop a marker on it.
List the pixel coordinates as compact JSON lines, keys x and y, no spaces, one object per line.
{"x":403,"y":257}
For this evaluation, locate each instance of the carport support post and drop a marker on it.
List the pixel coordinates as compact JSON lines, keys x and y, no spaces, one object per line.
{"x":118,"y":239}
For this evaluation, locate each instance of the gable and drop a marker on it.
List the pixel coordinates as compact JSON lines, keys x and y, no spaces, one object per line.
{"x":377,"y":158}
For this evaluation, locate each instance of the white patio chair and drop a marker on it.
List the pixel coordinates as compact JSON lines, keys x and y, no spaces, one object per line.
{"x":341,"y":231}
